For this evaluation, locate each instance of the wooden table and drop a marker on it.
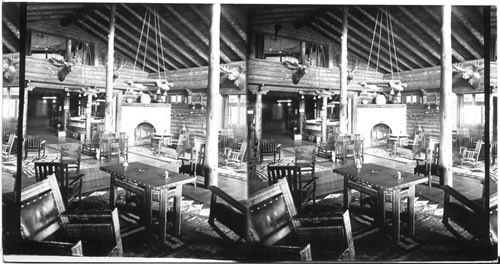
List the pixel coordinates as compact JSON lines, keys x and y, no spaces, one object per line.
{"x":396,"y":141}
{"x":376,"y":180}
{"x":144,"y":180}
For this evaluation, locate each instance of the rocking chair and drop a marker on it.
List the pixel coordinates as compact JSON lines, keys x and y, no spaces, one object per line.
{"x":471,"y":155}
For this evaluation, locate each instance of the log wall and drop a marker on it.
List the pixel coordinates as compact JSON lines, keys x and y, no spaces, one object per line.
{"x":193,"y":119}
{"x":430,"y":79}
{"x":276,"y":74}
{"x":428,"y":119}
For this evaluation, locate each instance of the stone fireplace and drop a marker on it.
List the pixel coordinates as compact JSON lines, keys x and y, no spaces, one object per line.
{"x":376,"y":122}
{"x":140,"y":121}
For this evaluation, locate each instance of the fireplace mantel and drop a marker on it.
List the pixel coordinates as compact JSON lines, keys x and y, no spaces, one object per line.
{"x":370,"y":115}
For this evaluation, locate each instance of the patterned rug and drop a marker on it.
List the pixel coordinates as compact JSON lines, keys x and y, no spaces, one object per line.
{"x":261,"y":170}
{"x":70,"y":145}
{"x":197,"y":239}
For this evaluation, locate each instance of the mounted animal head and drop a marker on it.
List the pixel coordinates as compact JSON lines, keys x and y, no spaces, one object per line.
{"x":9,"y":70}
{"x":300,"y":70}
{"x":237,"y":75}
{"x":470,"y":73}
{"x":65,"y":68}
{"x":116,"y":69}
{"x":350,"y":73}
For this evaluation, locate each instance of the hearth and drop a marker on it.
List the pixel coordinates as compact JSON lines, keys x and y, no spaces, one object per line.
{"x":140,"y":121}
{"x":376,"y":122}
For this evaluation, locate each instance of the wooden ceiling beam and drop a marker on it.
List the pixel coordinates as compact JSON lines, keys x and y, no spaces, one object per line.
{"x":128,"y":33}
{"x":53,"y":6}
{"x":419,"y":41}
{"x":202,"y":54}
{"x":123,"y":50}
{"x":166,"y":40}
{"x":454,"y":35}
{"x":195,"y":31}
{"x":404,"y":43}
{"x":329,"y":34}
{"x":12,"y":27}
{"x":463,"y":19}
{"x":354,"y":29}
{"x":236,"y":26}
{"x":225,"y":39}
{"x":45,"y":17}
{"x":12,"y":48}
{"x":416,"y":21}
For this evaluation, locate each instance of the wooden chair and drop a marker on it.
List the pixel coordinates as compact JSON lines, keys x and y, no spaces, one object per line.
{"x":305,"y":159}
{"x":109,"y":147}
{"x":235,"y":156}
{"x":429,"y":164}
{"x":69,"y":184}
{"x":72,"y":156}
{"x":7,"y":148}
{"x":273,"y":220}
{"x":47,"y":229}
{"x":90,"y":146}
{"x":303,"y":190}
{"x":268,"y":147}
{"x":344,"y":148}
{"x":228,"y":212}
{"x":471,"y":155}
{"x":195,"y":164}
{"x":34,"y":143}
{"x":325,"y":150}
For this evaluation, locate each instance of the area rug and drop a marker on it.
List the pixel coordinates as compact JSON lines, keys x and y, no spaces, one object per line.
{"x":169,"y":155}
{"x":290,"y":151}
{"x":403,"y":156}
{"x":72,"y":146}
{"x":197,"y":238}
{"x":261,"y":170}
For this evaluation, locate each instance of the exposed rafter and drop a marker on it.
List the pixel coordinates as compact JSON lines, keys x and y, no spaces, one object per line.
{"x":195,"y":31}
{"x":473,"y":30}
{"x":202,"y":54}
{"x":223,"y":36}
{"x":128,"y":33}
{"x":12,"y":27}
{"x":455,"y":36}
{"x":236,"y":26}
{"x":416,"y":21}
{"x":402,"y":41}
{"x":168,"y":41}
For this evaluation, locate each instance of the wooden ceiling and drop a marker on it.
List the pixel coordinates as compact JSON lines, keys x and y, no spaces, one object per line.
{"x":185,"y":30}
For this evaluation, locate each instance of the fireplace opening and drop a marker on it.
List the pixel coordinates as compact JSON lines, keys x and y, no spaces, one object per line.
{"x":379,"y":134}
{"x":143,"y":133}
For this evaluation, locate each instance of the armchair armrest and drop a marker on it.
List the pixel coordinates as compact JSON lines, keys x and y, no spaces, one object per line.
{"x":53,"y":248}
{"x":77,"y":178}
{"x":216,"y":191}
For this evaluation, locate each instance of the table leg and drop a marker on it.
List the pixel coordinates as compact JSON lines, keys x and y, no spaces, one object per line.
{"x":396,"y":203}
{"x":380,"y":218}
{"x":163,"y":213}
{"x":177,"y":204}
{"x":112,"y":192}
{"x":347,"y":194}
{"x":411,"y":210}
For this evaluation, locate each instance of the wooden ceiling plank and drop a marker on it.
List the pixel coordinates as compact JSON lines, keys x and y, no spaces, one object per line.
{"x":12,"y":48}
{"x":463,"y":19}
{"x":415,"y":20}
{"x":128,"y":33}
{"x":223,"y":36}
{"x":422,"y":43}
{"x":187,"y":42}
{"x":355,"y":29}
{"x":236,"y":26}
{"x":38,"y":18}
{"x":195,"y":31}
{"x":12,"y":27}
{"x":401,"y":40}
{"x":53,"y":6}
{"x":168,"y":41}
{"x":330,"y":35}
{"x":454,"y":35}
{"x":121,"y":48}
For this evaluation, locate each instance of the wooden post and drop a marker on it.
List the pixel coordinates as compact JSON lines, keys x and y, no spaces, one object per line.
{"x":302,"y":110}
{"x":488,"y":136}
{"x":324,"y":132}
{"x":213,"y":100}
{"x":343,"y":75}
{"x":69,"y":56}
{"x":445,"y":145}
{"x":354,"y":118}
{"x":258,"y":119}
{"x":66,"y":106}
{"x":330,"y":57}
{"x":20,"y":120}
{"x":303,"y":52}
{"x":118,"y":116}
{"x":108,"y":113}
{"x":88,"y":116}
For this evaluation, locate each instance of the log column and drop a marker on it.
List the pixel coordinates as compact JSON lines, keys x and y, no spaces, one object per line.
{"x":66,"y":106}
{"x":88,"y":116}
{"x":258,"y":118}
{"x":343,"y":75}
{"x":213,"y":100}
{"x":108,"y":113}
{"x":324,"y":132}
{"x":445,"y":151}
{"x":302,"y":110}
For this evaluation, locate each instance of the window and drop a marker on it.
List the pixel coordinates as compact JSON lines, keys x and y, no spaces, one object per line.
{"x":411,"y":99}
{"x":176,"y":99}
{"x":473,"y":111}
{"x":236,"y":110}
